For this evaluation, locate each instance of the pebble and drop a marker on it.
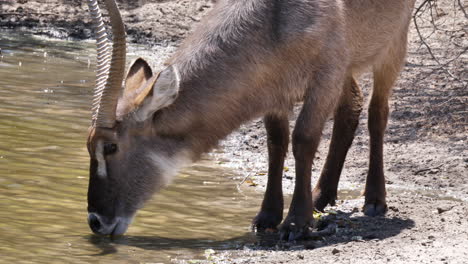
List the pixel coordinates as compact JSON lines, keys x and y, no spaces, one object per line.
{"x":311,"y":245}
{"x":443,"y":209}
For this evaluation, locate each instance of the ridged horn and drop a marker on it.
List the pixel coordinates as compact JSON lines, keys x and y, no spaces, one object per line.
{"x":111,"y":93}
{"x":105,"y":116}
{"x":103,"y":56}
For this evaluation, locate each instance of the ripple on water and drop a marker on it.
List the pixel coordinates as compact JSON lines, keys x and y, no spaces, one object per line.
{"x":44,"y":116}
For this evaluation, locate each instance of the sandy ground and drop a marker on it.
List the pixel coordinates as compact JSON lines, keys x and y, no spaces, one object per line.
{"x":426,"y":157}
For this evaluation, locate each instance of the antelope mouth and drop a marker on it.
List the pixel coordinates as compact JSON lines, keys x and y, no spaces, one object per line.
{"x":100,"y":226}
{"x":120,"y":227}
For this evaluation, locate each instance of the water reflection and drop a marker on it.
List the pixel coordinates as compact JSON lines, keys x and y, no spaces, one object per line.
{"x":45,"y":95}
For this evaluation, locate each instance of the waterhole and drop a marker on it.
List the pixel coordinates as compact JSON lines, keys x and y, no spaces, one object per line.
{"x":45,"y":99}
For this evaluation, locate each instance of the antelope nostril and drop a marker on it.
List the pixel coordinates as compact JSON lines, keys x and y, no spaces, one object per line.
{"x":94,"y":222}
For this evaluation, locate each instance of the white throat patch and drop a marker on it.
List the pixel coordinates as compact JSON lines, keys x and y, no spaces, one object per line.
{"x":169,"y":166}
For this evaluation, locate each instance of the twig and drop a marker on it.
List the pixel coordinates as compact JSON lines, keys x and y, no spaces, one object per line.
{"x":442,"y":66}
{"x":328,"y":231}
{"x":245,"y":178}
{"x":426,"y":169}
{"x":25,"y":14}
{"x":242,"y":182}
{"x":423,"y":4}
{"x":462,"y":8}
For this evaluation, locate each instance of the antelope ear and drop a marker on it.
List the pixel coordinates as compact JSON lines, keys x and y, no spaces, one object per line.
{"x":136,"y":81}
{"x":162,"y":93}
{"x":138,"y":74}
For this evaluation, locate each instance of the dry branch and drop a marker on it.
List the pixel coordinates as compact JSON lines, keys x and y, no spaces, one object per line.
{"x":427,"y":11}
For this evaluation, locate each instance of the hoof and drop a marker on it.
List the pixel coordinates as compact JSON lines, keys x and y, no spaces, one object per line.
{"x":266,"y":222}
{"x":292,"y":230}
{"x":374,"y":209}
{"x":321,"y":199}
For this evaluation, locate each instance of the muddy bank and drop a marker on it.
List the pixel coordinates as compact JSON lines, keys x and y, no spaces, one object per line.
{"x":426,"y":158}
{"x":147,"y":21}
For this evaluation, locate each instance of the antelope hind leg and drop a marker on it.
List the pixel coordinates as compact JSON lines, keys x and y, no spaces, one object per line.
{"x":346,"y":120}
{"x":385,"y":75}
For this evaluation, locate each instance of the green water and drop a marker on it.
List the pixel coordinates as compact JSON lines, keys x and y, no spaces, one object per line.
{"x":45,"y":98}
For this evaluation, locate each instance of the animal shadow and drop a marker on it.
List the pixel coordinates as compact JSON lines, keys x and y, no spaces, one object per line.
{"x":334,"y":228}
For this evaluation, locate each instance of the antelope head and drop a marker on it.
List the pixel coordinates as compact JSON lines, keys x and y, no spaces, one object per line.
{"x":129,"y":160}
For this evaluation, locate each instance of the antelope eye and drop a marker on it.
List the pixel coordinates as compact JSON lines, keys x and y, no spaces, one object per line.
{"x":110,"y":148}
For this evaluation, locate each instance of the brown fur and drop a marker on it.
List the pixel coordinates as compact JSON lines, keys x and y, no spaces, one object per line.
{"x":252,"y":58}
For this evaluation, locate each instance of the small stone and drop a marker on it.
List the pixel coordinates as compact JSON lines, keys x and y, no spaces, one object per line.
{"x":300,"y":256}
{"x":443,"y":209}
{"x":310,"y":245}
{"x":335,"y":251}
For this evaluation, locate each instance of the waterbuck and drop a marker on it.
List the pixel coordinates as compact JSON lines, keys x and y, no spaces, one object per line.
{"x":248,"y":59}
